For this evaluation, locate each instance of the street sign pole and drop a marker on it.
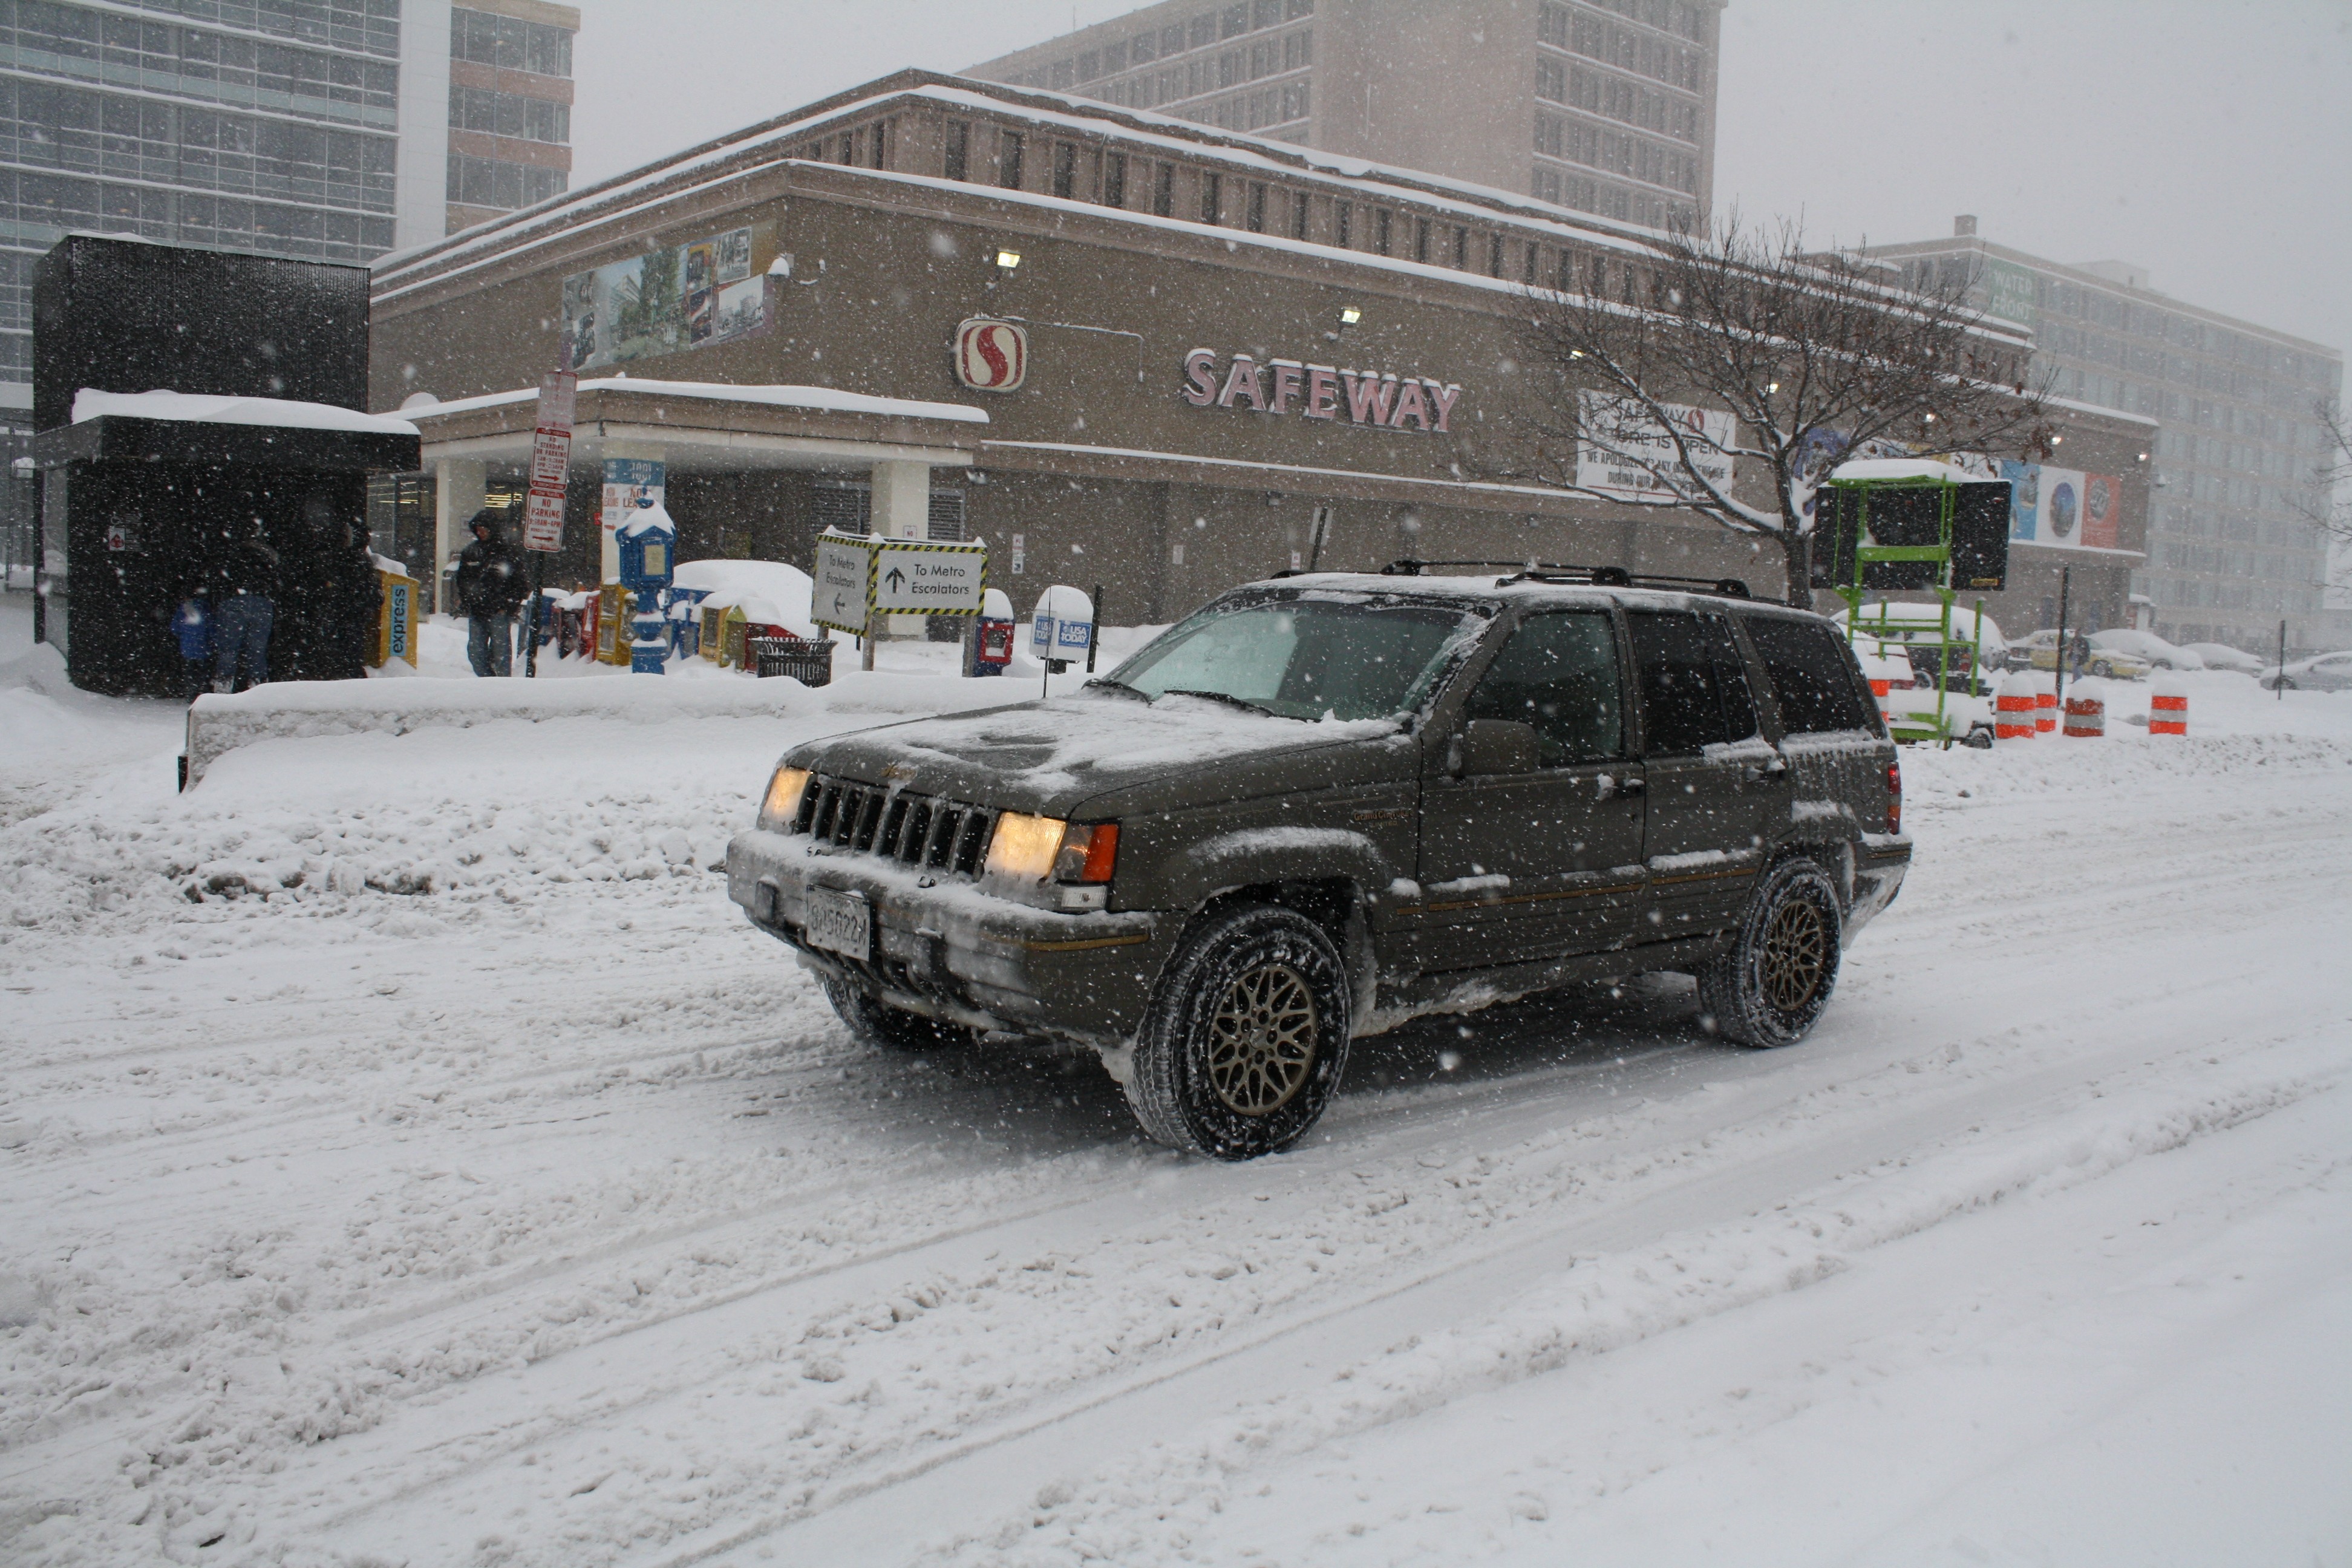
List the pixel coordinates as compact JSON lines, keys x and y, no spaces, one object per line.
{"x":551,"y":464}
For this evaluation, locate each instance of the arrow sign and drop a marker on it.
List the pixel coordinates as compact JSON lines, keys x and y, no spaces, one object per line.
{"x":921,"y":576}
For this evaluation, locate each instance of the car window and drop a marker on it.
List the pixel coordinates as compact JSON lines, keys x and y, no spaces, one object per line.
{"x":1304,"y":657}
{"x":1559,"y":673}
{"x":1812,"y":676}
{"x":1694,"y":690}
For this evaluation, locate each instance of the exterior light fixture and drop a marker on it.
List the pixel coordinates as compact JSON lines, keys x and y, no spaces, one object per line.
{"x":1008,"y":259}
{"x":2143,"y":456}
{"x":1775,"y":386}
{"x":1350,"y":316}
{"x":1576,"y":353}
{"x":1931,"y":419}
{"x":2057,"y":440}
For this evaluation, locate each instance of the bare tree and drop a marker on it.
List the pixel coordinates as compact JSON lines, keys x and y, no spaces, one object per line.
{"x":2325,"y":503}
{"x":1812,"y":356}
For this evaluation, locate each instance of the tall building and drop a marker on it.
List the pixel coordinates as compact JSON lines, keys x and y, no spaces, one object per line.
{"x":1601,"y":106}
{"x":2232,"y":551}
{"x":326,"y":129}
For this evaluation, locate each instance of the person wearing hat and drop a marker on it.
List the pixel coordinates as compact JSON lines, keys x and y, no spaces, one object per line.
{"x":489,"y":585}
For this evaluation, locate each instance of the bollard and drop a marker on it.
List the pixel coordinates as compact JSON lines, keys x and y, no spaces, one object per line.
{"x":2168,"y":706}
{"x":2013,"y":709}
{"x":2086,"y":717}
{"x":2045,"y":703}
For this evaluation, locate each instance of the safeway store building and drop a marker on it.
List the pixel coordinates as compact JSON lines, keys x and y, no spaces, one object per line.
{"x":1125,"y":350}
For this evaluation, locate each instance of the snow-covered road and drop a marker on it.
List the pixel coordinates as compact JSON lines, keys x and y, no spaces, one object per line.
{"x":548,"y":1217}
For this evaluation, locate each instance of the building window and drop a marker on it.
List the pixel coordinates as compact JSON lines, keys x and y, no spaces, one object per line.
{"x":1344,"y":221}
{"x":1163,"y":191}
{"x":849,"y":146}
{"x":1421,"y":240}
{"x":1380,"y":226}
{"x":509,"y":42}
{"x":880,"y":144}
{"x":1066,"y":169}
{"x":1298,"y":214}
{"x":1211,"y":198}
{"x":1495,"y":256}
{"x":1113,"y":180}
{"x":1461,"y":249}
{"x":1551,"y":80}
{"x":1008,"y":159}
{"x":959,"y":164}
{"x":1256,"y":216}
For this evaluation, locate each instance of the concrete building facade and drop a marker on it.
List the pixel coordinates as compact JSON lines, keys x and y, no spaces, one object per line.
{"x":1239,"y":357}
{"x":318,"y":130}
{"x":1605,"y":107}
{"x":2232,"y":551}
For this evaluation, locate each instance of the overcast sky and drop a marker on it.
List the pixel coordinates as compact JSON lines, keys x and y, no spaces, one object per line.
{"x":2210,"y":142}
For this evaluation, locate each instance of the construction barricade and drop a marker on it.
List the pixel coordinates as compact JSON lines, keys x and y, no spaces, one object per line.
{"x":2045,"y":703}
{"x":2168,"y":706}
{"x":2086,"y":717}
{"x":2014,"y":709}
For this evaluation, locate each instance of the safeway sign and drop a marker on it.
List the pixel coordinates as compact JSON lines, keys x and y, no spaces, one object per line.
{"x":991,"y":356}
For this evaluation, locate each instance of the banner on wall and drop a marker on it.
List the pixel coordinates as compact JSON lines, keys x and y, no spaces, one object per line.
{"x":1623,"y":450}
{"x":705,"y":292}
{"x":2062,"y":505}
{"x":2103,"y":498}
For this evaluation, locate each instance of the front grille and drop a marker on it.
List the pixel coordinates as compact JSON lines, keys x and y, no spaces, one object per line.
{"x":913,"y":829}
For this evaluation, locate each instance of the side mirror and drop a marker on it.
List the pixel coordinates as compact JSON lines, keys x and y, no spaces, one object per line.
{"x":1489,"y":746}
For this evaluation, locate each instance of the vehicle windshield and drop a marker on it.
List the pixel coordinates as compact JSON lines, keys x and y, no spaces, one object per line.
{"x":1305,"y":659}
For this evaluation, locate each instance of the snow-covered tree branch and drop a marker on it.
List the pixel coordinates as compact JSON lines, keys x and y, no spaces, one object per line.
{"x":1674,"y":376}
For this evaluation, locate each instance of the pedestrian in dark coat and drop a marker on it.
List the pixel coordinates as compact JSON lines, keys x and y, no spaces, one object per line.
{"x":244,"y":600}
{"x":490,"y":586}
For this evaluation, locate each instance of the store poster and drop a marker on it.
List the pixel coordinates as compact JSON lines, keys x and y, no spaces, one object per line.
{"x":2024,"y":496}
{"x":629,"y":483}
{"x":2103,"y":500}
{"x":2062,"y":505}
{"x":705,"y":292}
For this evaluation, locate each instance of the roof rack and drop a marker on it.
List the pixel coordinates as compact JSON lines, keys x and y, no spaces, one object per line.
{"x":1594,"y":576}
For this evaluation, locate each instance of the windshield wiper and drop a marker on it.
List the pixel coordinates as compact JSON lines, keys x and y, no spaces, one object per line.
{"x":1107,"y":684}
{"x":1226,"y":697}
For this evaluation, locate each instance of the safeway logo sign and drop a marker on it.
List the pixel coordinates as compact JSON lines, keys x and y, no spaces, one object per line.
{"x":991,"y":356}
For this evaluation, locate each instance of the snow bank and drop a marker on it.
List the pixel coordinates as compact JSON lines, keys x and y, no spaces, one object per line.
{"x":784,"y":588}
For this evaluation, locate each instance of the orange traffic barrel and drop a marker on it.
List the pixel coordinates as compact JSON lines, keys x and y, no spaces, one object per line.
{"x":2168,"y":706}
{"x":2045,"y":703}
{"x":2014,"y":709}
{"x":2086,"y":716}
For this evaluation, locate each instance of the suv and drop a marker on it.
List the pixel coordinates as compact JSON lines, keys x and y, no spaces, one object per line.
{"x":1325,"y":803}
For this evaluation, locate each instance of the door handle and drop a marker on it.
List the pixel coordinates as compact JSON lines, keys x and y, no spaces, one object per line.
{"x":1631,"y":784}
{"x":1755,"y":772}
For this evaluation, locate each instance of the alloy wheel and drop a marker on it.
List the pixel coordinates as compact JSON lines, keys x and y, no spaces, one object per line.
{"x":1261,"y":1040}
{"x":1796,"y":954}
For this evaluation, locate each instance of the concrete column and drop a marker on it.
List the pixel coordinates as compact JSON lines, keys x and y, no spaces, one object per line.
{"x":902,"y":509}
{"x":457,"y":494}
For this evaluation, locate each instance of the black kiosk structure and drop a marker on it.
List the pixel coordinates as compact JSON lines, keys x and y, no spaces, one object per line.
{"x":187,"y":402}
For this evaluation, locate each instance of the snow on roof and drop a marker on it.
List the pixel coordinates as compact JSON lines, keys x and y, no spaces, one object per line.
{"x":773,"y":585}
{"x":1899,"y":468}
{"x":826,"y":398}
{"x":644,"y":519}
{"x":206,"y":408}
{"x":1185,"y":137}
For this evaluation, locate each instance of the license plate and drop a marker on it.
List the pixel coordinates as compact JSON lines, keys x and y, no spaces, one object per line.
{"x":840,"y":922}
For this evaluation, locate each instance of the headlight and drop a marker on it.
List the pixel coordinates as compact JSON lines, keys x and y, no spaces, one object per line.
{"x":1023,"y":846}
{"x":783,"y":802}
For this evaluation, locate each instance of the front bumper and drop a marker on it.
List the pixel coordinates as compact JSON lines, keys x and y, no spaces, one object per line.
{"x":951,"y":951}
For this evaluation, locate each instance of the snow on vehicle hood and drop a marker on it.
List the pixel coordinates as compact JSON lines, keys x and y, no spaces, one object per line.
{"x":1049,"y":755}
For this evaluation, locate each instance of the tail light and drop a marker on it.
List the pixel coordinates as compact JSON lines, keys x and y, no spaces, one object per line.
{"x":1895,"y":797}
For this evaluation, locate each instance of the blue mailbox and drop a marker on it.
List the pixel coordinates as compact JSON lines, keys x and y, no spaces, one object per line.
{"x":649,"y":549}
{"x":648,"y":542}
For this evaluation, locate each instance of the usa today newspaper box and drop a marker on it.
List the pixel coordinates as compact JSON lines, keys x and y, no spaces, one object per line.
{"x":858,"y":580}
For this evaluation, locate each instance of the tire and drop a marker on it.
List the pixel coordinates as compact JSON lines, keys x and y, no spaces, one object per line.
{"x":1245,"y":1037}
{"x":1769,"y":988}
{"x":2280,"y":684}
{"x":2103,"y":669}
{"x":875,"y":1023}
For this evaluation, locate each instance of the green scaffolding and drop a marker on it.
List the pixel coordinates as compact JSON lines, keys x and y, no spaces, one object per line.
{"x":1908,"y":727}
